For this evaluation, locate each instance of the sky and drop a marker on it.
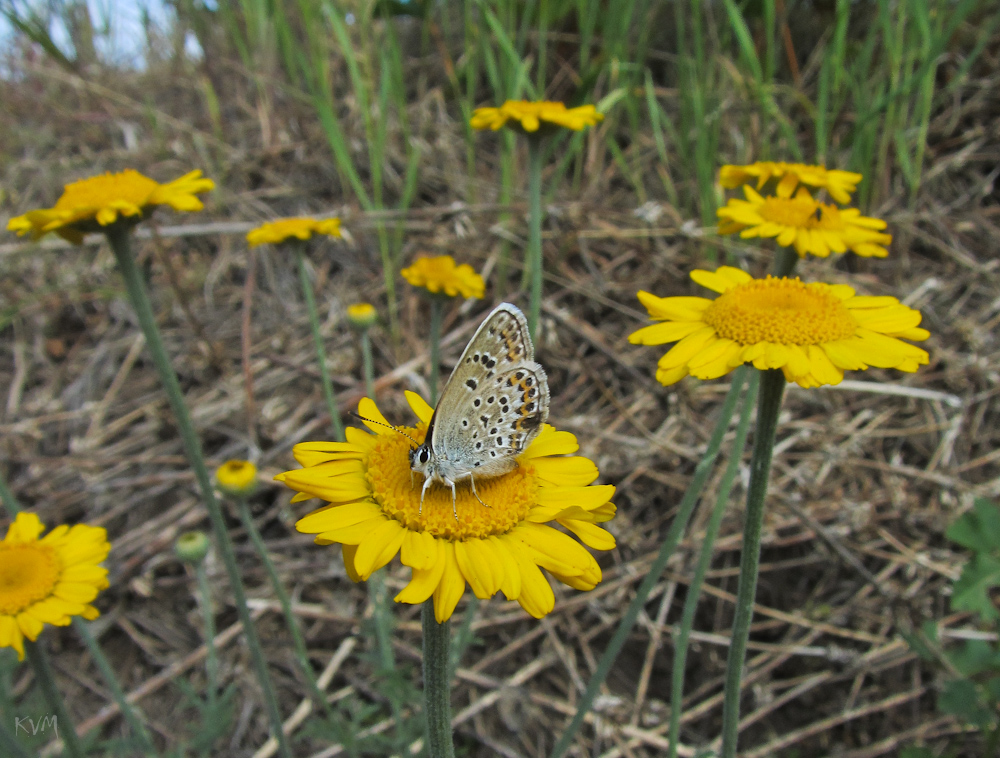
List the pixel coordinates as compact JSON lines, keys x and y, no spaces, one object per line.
{"x":121,"y":35}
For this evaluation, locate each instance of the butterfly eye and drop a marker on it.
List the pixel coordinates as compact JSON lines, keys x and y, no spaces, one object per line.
{"x":423,"y":456}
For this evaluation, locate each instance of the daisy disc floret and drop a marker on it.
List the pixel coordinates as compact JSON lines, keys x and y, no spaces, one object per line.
{"x":441,"y":275}
{"x":48,"y":580}
{"x":276,"y":232}
{"x":811,"y":227}
{"x":812,"y":332}
{"x":532,"y":116}
{"x":375,"y":513}
{"x":839,"y":184}
{"x":91,"y":204}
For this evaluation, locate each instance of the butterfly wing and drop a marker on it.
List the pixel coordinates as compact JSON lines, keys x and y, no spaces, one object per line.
{"x":487,"y":384}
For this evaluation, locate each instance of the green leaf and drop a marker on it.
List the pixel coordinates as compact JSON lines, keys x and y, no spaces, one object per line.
{"x":923,"y":642}
{"x":972,"y":590}
{"x":979,"y":529}
{"x":974,"y":657}
{"x":961,"y":698}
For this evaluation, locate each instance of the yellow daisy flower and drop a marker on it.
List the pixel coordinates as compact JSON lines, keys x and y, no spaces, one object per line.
{"x":840,"y":184}
{"x":90,"y":204}
{"x":440,"y":274}
{"x":812,"y":332}
{"x":237,"y":478}
{"x":530,"y":116}
{"x":375,"y":513}
{"x":811,"y":226}
{"x":48,"y":580}
{"x":300,"y":228}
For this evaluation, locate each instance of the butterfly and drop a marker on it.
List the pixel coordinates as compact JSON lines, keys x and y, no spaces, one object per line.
{"x":492,"y":407}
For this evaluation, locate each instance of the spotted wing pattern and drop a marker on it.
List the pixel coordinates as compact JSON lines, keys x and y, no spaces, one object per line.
{"x":494,"y":403}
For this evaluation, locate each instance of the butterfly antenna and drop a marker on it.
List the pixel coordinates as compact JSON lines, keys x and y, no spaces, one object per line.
{"x":387,"y":426}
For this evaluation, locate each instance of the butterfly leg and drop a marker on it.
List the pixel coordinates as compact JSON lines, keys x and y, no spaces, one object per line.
{"x":454,"y":506}
{"x":427,"y":483}
{"x":472,"y":480}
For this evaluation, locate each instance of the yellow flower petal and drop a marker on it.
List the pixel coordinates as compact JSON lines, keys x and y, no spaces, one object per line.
{"x":378,"y":547}
{"x":451,"y":587}
{"x":590,"y":535}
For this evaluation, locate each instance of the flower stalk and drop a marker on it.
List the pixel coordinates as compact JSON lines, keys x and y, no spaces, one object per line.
{"x":684,"y":511}
{"x":705,"y":560}
{"x":118,"y":237}
{"x":534,"y":256}
{"x":47,"y":681}
{"x":298,"y":642}
{"x":135,"y":724}
{"x":768,"y":408}
{"x":437,"y":684}
{"x":369,"y":364}
{"x":208,"y":617}
{"x":324,"y":374}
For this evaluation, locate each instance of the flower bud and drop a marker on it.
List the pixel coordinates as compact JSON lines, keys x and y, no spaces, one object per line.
{"x":237,"y":478}
{"x":192,"y":547}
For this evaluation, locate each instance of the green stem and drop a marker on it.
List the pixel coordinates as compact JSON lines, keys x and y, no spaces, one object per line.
{"x":768,"y":408}
{"x":298,"y":643}
{"x":9,"y":742}
{"x":382,"y":618}
{"x":784,"y":261}
{"x":8,"y":739}
{"x":701,"y":472}
{"x":9,"y":501}
{"x":534,"y":256}
{"x":437,"y":316}
{"x":47,"y":681}
{"x":463,"y":636}
{"x":704,"y":561}
{"x":324,"y":374}
{"x":208,"y":616}
{"x":437,"y":684}
{"x":369,"y":364}
{"x":378,"y":598}
{"x":108,"y":673}
{"x":118,"y":237}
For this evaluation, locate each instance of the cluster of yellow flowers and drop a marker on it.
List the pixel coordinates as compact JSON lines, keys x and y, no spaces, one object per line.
{"x":812,"y":332}
{"x":794,"y":217}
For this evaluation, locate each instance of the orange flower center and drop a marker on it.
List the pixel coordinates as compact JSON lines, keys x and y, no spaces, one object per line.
{"x":101,"y":191}
{"x":396,"y":489}
{"x":800,"y":213}
{"x":781,"y":311}
{"x":28,"y":573}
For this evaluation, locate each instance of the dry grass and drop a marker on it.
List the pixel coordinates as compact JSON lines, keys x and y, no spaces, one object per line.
{"x":863,"y":486}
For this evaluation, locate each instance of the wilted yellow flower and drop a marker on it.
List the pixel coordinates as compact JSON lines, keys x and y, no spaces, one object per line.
{"x":299,"y":228}
{"x":442,"y":275}
{"x":362,"y":315}
{"x":48,"y":580}
{"x":90,"y":204}
{"x":530,"y":116}
{"x":840,"y":184}
{"x":237,"y":478}
{"x":377,"y":510}
{"x":808,"y":225}
{"x":812,"y":332}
